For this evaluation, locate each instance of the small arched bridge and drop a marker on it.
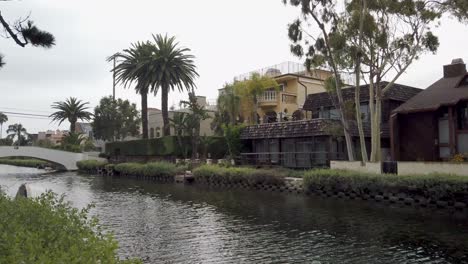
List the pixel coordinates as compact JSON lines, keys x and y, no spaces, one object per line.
{"x":65,"y":159}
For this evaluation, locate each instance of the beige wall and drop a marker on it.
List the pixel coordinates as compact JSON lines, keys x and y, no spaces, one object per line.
{"x":155,"y":121}
{"x":356,"y":166}
{"x":405,"y":168}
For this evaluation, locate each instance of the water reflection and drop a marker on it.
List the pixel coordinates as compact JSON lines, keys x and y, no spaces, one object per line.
{"x":167,"y":223}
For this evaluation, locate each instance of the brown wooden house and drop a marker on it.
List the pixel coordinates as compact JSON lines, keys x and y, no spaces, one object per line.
{"x":433,"y":125}
{"x":317,"y":139}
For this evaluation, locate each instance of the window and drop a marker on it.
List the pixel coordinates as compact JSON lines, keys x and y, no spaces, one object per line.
{"x":365,"y":112}
{"x":462,"y":116}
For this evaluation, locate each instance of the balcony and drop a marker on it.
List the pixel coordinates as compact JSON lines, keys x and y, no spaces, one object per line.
{"x":268,"y":98}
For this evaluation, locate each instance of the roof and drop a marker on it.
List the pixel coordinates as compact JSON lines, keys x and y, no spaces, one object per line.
{"x":397,"y":92}
{"x":305,"y":128}
{"x":444,"y":92}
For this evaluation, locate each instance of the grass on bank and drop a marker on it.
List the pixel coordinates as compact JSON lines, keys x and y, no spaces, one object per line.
{"x":31,"y":163}
{"x":152,"y":169}
{"x":48,"y":230}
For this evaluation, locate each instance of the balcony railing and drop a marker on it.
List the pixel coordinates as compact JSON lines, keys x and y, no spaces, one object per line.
{"x":268,"y":97}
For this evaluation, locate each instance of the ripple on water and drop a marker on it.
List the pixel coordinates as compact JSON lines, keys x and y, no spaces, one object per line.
{"x":177,"y":224}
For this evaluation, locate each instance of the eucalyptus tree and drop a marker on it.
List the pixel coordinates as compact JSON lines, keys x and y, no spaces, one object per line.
{"x":24,"y":32}
{"x":391,"y":35}
{"x":375,"y":39}
{"x":173,"y":68}
{"x":72,"y":110}
{"x":134,"y":66}
{"x":324,"y":48}
{"x":3,"y":119}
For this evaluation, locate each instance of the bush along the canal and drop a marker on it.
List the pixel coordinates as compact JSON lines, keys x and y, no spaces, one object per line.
{"x":31,"y":163}
{"x":155,"y":170}
{"x":48,"y":230}
{"x":239,"y":176}
{"x":433,"y":189}
{"x":91,"y":166}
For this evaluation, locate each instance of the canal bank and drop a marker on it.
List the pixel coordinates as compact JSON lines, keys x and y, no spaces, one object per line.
{"x":434,"y":190}
{"x":176,"y":223}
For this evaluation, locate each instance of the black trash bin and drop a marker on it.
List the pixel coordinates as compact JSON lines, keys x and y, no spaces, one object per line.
{"x":390,"y":167}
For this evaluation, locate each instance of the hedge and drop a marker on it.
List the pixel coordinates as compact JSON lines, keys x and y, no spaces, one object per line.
{"x":32,"y":163}
{"x":164,"y":147}
{"x":433,"y":186}
{"x":153,"y":169}
{"x":90,"y":165}
{"x":48,"y":230}
{"x":238,"y":175}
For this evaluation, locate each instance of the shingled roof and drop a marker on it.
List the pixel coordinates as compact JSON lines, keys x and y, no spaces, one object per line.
{"x":397,"y":92}
{"x":447,"y":91}
{"x":305,"y":128}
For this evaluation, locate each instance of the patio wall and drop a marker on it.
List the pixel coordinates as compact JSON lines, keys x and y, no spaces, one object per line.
{"x":405,"y":167}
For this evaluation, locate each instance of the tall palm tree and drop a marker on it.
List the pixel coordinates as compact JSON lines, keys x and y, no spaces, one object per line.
{"x":134,"y":66}
{"x":3,"y":119}
{"x":174,"y":68}
{"x":72,"y":110}
{"x":19,"y":132}
{"x":229,"y":102}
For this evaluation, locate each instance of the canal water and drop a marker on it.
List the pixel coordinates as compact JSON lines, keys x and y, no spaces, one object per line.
{"x":168,"y":223}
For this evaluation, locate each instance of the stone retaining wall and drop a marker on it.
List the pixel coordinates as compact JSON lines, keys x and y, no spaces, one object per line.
{"x":295,"y":186}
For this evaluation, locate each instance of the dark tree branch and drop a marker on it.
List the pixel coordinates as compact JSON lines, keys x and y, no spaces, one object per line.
{"x":10,"y":32}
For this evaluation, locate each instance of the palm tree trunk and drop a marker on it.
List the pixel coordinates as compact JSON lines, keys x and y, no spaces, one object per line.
{"x":165,"y":113}
{"x":144,"y":114}
{"x":72,"y":126}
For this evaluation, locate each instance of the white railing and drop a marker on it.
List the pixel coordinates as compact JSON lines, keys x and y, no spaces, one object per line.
{"x":268,"y":96}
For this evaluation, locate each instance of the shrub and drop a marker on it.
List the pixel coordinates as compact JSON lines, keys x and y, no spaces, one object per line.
{"x":238,"y":175}
{"x":435,"y":186}
{"x":90,"y":165}
{"x":49,"y":230}
{"x":32,"y":163}
{"x":153,"y":169}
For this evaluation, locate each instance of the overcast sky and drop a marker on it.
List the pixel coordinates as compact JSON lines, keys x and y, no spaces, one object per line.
{"x":228,"y":38}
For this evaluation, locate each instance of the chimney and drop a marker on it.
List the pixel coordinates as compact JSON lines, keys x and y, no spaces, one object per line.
{"x":457,"y":68}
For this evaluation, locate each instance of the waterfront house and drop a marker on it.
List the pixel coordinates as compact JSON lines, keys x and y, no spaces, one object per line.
{"x":433,"y":125}
{"x":317,"y":138}
{"x":285,"y":103}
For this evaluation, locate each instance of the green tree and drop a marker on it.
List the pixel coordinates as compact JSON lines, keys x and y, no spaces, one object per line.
{"x":47,"y":229}
{"x":72,"y":110}
{"x":180,"y":124}
{"x":232,"y":135}
{"x":18,"y":132}
{"x":115,"y":119}
{"x":229,"y":102}
{"x":3,"y":119}
{"x":196,"y":114}
{"x":173,"y":68}
{"x":384,"y":39}
{"x":135,"y":65}
{"x":24,"y":32}
{"x":250,"y":90}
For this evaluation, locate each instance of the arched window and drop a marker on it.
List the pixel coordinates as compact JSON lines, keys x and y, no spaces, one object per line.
{"x":158,"y":132}
{"x":151,"y":132}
